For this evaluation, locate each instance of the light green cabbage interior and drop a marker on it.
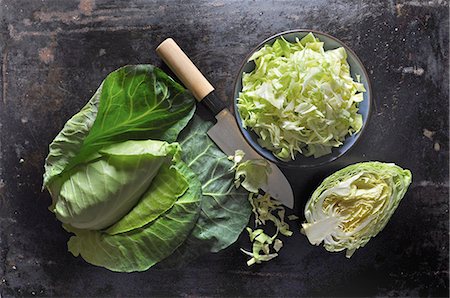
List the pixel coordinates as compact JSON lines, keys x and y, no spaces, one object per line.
{"x":354,"y":204}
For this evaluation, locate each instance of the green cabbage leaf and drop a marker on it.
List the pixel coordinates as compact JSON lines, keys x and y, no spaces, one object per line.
{"x":354,"y":204}
{"x":167,"y":187}
{"x":300,"y":98}
{"x":99,"y":193}
{"x":225,"y":210}
{"x":140,"y":248}
{"x":135,"y":102}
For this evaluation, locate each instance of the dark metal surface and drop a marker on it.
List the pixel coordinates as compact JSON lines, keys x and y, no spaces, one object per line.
{"x":55,"y":53}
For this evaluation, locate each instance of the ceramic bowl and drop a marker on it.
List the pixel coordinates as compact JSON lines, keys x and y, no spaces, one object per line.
{"x":356,"y":68}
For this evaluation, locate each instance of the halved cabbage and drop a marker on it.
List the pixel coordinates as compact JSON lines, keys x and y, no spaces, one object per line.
{"x":354,"y":204}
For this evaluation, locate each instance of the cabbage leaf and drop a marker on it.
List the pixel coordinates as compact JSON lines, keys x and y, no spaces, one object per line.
{"x":167,"y":187}
{"x":99,"y":193}
{"x":136,"y":102}
{"x":141,"y":248}
{"x":225,"y":210}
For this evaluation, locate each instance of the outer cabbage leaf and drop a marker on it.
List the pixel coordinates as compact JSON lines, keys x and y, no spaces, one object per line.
{"x":354,"y":204}
{"x":167,"y":187}
{"x":100,"y":192}
{"x":133,"y":102}
{"x":141,"y":248}
{"x":69,"y":140}
{"x":300,"y":98}
{"x":225,"y":210}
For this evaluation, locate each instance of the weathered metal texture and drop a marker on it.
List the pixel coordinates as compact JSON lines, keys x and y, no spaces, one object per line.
{"x":55,"y":53}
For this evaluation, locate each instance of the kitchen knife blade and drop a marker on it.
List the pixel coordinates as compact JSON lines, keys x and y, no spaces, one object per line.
{"x":225,"y":133}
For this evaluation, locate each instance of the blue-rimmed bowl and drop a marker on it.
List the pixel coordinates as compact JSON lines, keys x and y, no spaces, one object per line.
{"x":356,"y":68}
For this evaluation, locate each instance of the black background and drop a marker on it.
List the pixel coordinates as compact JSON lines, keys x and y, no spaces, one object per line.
{"x":55,"y":54}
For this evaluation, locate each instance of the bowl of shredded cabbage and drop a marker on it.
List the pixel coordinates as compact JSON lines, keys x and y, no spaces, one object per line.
{"x":302,"y":98}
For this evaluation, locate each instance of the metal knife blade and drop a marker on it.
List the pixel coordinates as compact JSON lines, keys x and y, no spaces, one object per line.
{"x":227,"y":136}
{"x":225,"y":133}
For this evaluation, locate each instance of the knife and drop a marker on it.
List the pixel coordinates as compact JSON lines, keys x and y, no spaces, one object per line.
{"x":225,"y":133}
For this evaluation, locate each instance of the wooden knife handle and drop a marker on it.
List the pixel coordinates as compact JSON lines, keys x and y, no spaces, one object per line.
{"x":183,"y":67}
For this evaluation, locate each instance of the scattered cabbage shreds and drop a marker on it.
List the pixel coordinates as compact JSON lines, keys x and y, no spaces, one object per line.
{"x":300,"y":98}
{"x":261,"y":246}
{"x":266,"y":209}
{"x":252,"y":174}
{"x":277,"y":245}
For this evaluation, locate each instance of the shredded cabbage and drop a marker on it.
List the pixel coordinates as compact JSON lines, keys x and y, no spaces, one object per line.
{"x":300,"y":98}
{"x":251,"y":175}
{"x":265,"y":208}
